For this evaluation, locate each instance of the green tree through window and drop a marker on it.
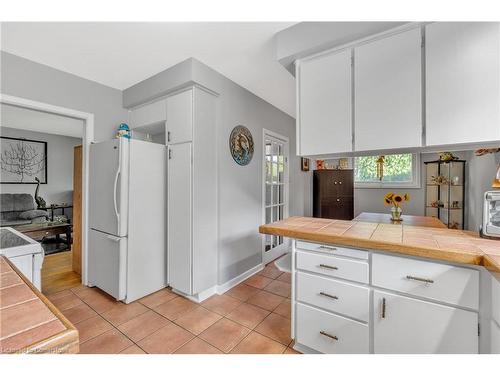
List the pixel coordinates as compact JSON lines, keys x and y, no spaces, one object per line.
{"x":397,"y":168}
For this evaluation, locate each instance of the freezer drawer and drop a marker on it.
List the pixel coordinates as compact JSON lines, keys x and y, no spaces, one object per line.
{"x":107,"y":263}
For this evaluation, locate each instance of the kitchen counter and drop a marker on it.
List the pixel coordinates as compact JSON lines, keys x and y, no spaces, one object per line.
{"x":29,"y":322}
{"x":421,"y":221}
{"x":406,"y":238}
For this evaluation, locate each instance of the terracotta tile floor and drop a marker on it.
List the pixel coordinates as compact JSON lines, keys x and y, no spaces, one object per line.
{"x":253,"y":318}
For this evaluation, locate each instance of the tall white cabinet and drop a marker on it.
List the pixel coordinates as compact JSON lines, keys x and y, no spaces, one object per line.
{"x":324,"y":104}
{"x":192,"y":194}
{"x":388,"y":92}
{"x":462,"y":82}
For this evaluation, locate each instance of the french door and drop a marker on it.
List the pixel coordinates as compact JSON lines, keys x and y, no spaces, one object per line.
{"x":275,"y":191}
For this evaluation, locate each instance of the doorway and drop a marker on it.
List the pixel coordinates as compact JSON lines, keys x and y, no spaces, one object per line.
{"x":275,"y":191}
{"x":87,"y":137}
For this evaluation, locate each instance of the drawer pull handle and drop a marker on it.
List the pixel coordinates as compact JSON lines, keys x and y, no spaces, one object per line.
{"x":329,"y":336}
{"x":328,"y":267}
{"x":328,"y":295}
{"x":383,"y":308}
{"x":328,"y":248}
{"x":419,"y":279}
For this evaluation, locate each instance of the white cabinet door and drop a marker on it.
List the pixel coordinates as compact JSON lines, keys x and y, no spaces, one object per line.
{"x":324,"y":104}
{"x":388,"y":92}
{"x":180,"y":117}
{"x":24,"y":263}
{"x":411,"y":326}
{"x":462,"y":82}
{"x":148,"y":114}
{"x":179,"y":217}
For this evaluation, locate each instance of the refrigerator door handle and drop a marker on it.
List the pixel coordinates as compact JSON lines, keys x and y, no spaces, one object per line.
{"x":114,"y":194}
{"x":113,"y":238}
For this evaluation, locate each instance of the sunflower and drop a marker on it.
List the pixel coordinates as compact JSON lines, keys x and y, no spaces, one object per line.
{"x":397,"y":199}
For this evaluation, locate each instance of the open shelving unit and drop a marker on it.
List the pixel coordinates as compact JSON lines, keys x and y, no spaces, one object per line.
{"x":445,"y":199}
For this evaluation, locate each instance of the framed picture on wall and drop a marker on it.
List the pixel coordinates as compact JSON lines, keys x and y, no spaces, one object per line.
{"x":21,"y":160}
{"x":304,"y":164}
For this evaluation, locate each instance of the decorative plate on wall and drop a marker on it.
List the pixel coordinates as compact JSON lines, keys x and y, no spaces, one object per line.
{"x":241,"y":145}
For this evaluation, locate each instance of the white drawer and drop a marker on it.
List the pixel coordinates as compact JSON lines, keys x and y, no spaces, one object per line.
{"x":451,"y":284}
{"x":334,"y":295}
{"x":343,"y":268}
{"x":329,"y":333}
{"x":333,"y":249}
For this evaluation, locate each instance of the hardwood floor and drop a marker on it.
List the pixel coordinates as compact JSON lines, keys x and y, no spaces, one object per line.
{"x":58,"y":274}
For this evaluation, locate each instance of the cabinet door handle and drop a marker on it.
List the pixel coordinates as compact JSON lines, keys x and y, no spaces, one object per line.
{"x":329,"y":336}
{"x":331,"y":248}
{"x":170,"y":153}
{"x":383,"y":308}
{"x":335,"y":182}
{"x":168,"y":136}
{"x":328,"y":295}
{"x":328,"y":267}
{"x":340,"y":182}
{"x":338,"y":199}
{"x":408,"y":277}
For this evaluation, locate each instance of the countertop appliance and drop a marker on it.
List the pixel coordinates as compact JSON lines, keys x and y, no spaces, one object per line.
{"x":24,"y":252}
{"x":491,"y":215}
{"x":127,"y":237}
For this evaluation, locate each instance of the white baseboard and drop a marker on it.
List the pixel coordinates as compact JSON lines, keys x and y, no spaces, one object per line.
{"x":199,"y":297}
{"x":221,"y":289}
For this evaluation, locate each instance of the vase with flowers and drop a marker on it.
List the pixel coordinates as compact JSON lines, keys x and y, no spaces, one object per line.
{"x":396,"y":200}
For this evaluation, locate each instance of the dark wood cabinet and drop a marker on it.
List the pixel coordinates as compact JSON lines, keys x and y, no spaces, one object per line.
{"x":333,"y":194}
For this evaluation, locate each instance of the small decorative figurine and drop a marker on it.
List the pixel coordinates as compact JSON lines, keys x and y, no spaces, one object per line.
{"x":40,"y":202}
{"x":123,"y":131}
{"x":447,"y":156}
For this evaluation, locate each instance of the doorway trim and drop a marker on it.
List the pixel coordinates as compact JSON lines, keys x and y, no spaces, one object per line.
{"x":286,"y":141}
{"x":87,"y":139}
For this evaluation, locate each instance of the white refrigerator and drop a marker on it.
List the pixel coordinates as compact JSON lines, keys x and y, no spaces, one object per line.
{"x":127,"y":253}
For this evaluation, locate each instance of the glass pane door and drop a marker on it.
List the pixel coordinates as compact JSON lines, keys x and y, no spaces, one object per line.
{"x":275,"y":190}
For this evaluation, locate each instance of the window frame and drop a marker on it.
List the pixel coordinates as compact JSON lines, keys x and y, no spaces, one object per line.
{"x":414,"y":184}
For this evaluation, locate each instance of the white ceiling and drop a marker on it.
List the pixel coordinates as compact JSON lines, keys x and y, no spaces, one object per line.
{"x":122,"y":54}
{"x":28,"y":119}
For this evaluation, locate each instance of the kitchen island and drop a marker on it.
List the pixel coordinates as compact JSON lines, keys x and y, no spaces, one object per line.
{"x":29,"y":322}
{"x":377,"y":287}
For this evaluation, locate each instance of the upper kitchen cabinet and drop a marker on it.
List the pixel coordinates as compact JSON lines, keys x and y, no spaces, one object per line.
{"x":324,"y":123}
{"x":148,"y":114}
{"x":388,"y":92}
{"x":462,"y":82}
{"x":180,"y":117}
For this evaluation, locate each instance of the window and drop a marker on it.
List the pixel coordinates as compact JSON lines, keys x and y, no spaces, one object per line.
{"x":399,"y":170}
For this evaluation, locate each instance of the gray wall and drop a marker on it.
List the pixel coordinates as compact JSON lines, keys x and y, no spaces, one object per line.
{"x":240,"y":188}
{"x":30,"y":80}
{"x":59,"y":188}
{"x":482,"y":171}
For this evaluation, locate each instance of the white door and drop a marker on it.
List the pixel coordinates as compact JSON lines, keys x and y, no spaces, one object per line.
{"x":405,"y":325}
{"x":180,"y":217}
{"x":108,"y":263}
{"x":104,"y":184}
{"x":275,"y":191}
{"x":324,"y":104}
{"x":462,"y":82}
{"x":388,"y":92}
{"x":180,"y":117}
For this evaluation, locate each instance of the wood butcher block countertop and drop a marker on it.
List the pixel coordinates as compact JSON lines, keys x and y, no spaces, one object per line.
{"x":29,"y":322}
{"x":415,"y":236}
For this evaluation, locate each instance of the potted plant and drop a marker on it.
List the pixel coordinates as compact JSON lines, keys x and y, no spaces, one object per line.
{"x":396,"y":200}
